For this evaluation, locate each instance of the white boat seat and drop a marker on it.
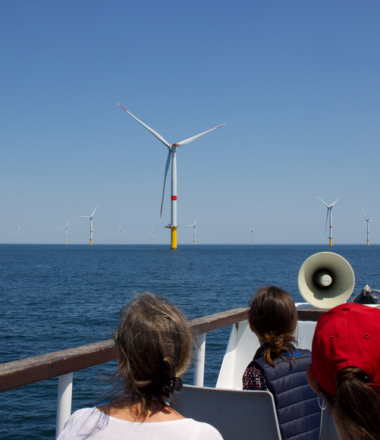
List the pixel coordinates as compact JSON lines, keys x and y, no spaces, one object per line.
{"x":236,"y":414}
{"x":328,"y":427}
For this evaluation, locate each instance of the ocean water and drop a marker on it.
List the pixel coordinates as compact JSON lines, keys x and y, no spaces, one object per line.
{"x":56,"y":297}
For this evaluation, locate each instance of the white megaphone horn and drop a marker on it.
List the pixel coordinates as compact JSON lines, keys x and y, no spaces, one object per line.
{"x":326,"y":280}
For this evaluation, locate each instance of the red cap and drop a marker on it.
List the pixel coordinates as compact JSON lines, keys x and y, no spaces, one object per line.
{"x":346,"y":336}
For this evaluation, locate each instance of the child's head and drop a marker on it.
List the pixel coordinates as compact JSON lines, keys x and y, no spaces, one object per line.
{"x":273,"y":317}
{"x":346,"y":368}
{"x":154,"y":345}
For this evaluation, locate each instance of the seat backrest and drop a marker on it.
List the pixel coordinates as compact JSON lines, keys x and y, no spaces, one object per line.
{"x":236,"y":414}
{"x":328,"y":426}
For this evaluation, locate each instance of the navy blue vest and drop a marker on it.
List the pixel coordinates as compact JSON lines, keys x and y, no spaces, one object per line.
{"x":298,"y":412}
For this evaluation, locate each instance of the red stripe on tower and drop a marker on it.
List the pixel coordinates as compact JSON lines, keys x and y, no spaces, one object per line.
{"x":330,"y":226}
{"x":174,"y":197}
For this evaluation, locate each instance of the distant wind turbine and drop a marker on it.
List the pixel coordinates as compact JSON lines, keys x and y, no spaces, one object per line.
{"x":151,"y":233}
{"x":252,"y":233}
{"x":90,"y":217}
{"x":65,"y":227}
{"x":19,"y":232}
{"x":367,"y":220}
{"x":329,"y":215}
{"x":121,"y":234}
{"x":194,"y":226}
{"x":171,"y":157}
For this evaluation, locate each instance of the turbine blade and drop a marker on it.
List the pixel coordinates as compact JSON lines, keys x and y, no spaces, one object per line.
{"x":335,"y":202}
{"x":165,"y":178}
{"x":327,"y":216}
{"x":186,"y":141}
{"x":362,"y":227}
{"x":195,"y":221}
{"x":321,"y":201}
{"x":67,"y":224}
{"x":365,"y":215}
{"x":61,"y":228}
{"x":94,"y":211}
{"x":82,"y":216}
{"x":154,"y":133}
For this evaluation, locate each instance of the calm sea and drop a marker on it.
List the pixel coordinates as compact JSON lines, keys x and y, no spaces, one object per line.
{"x":56,"y":297}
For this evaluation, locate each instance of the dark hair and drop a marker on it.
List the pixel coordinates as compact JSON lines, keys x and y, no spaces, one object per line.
{"x":154,"y":344}
{"x":355,"y":407}
{"x":273,"y":317}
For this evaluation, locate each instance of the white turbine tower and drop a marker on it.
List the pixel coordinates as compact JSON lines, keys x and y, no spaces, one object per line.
{"x":194,"y":226}
{"x":90,"y":217}
{"x":367,"y":220}
{"x":252,"y":233}
{"x":329,"y":215}
{"x":19,"y":232}
{"x":65,"y":227}
{"x":171,"y":158}
{"x":121,"y":234}
{"x":151,"y":233}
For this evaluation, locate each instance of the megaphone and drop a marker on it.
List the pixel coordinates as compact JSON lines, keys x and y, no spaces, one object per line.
{"x":326,"y":280}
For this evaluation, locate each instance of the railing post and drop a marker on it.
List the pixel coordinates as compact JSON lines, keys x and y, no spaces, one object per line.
{"x":200,"y":355}
{"x":65,"y":392}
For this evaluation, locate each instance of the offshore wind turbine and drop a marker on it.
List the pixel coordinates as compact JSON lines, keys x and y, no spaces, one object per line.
{"x":65,"y":227}
{"x":252,"y":233}
{"x":19,"y":232}
{"x":90,"y":217}
{"x":121,"y":234}
{"x":151,"y":233}
{"x":194,"y":226}
{"x":367,"y":220}
{"x":328,"y":216}
{"x":172,"y":157}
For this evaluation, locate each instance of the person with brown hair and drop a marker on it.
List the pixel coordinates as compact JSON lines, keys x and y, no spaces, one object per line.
{"x":278,"y":366}
{"x":154,"y":346}
{"x":345,"y":369}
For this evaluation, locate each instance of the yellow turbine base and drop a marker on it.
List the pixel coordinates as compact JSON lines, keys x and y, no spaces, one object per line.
{"x":174,"y":237}
{"x":19,"y":242}
{"x":330,"y":241}
{"x":90,"y":241}
{"x":66,"y":242}
{"x":367,"y":242}
{"x":194,"y":243}
{"x":121,"y":243}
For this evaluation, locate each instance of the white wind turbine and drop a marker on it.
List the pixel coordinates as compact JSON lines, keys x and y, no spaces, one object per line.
{"x":329,"y":215}
{"x":252,"y":233}
{"x":194,"y":226}
{"x":151,"y":233}
{"x":65,"y":227}
{"x":367,"y":220}
{"x":19,"y":232}
{"x":171,"y":157}
{"x":90,"y":217}
{"x":121,"y":234}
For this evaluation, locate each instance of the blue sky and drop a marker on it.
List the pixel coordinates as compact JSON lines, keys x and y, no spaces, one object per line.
{"x":296,"y":82}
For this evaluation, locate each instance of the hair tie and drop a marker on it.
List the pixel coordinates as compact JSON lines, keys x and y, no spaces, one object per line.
{"x":171,"y":385}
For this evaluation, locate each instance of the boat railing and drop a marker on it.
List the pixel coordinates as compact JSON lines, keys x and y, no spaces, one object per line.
{"x":64,"y":363}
